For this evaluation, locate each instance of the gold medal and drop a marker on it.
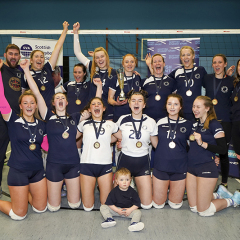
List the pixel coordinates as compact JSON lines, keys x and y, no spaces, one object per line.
{"x":236,"y":98}
{"x":32,"y":147}
{"x":78,"y":102}
{"x":191,"y":137}
{"x":65,"y":135}
{"x":96,"y":145}
{"x":157,"y":97}
{"x":139,"y":144}
{"x":43,"y":88}
{"x":215,"y":101}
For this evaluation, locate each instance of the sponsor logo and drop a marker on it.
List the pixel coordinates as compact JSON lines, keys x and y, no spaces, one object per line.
{"x":26,"y":50}
{"x":146,"y":172}
{"x":15,"y":84}
{"x":206,"y":172}
{"x":109,"y":170}
{"x":232,"y":154}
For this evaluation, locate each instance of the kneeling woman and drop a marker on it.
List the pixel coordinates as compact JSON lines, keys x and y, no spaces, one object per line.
{"x":138,"y":130}
{"x":96,"y":159}
{"x":170,"y":159}
{"x":208,"y":138}
{"x":63,"y":159}
{"x":26,"y":177}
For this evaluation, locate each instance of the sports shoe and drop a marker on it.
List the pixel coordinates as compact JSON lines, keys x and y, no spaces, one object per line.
{"x":136,"y":226}
{"x":110,"y":222}
{"x":236,"y":198}
{"x":221,"y":184}
{"x":223,"y":192}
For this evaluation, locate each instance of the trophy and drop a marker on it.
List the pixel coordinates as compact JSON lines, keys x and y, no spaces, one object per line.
{"x":120,"y":75}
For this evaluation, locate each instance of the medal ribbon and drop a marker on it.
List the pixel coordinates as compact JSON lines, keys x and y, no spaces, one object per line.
{"x":187,"y":79}
{"x":32,"y":135}
{"x":137,"y":133}
{"x":171,"y":133}
{"x":78,"y":90}
{"x":158,"y":87}
{"x":128,"y":84}
{"x":215,"y":90}
{"x":97,"y":132}
{"x":64,"y":125}
{"x":41,"y":77}
{"x":237,"y":88}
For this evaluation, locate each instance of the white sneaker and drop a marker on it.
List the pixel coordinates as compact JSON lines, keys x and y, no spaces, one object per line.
{"x":136,"y":227}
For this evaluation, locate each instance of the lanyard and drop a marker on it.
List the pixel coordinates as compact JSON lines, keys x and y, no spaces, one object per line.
{"x":78,"y":90}
{"x":64,"y":125}
{"x":41,"y":76}
{"x":215,"y":90}
{"x":137,"y":133}
{"x":158,"y":87}
{"x":187,"y":79}
{"x":32,"y":135}
{"x":97,"y":132}
{"x":128,"y":84}
{"x":171,"y":133}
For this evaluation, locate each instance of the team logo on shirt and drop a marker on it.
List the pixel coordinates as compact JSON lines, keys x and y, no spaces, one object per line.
{"x":108,"y":126}
{"x":15,"y":84}
{"x":110,"y":77}
{"x":19,"y":75}
{"x":224,"y":89}
{"x":197,"y":76}
{"x":166,"y":84}
{"x":183,"y":129}
{"x":72,"y":122}
{"x":144,"y":127}
{"x":40,"y":131}
{"x":85,"y":86}
{"x":203,"y":130}
{"x":137,"y":83}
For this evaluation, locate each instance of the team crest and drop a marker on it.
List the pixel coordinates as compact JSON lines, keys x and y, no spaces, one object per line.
{"x":144,"y":127}
{"x":72,"y":122}
{"x":166,"y":84}
{"x":203,"y":130}
{"x":183,"y":129}
{"x":224,"y":89}
{"x":110,"y":77}
{"x":85,"y":86}
{"x":137,"y":83}
{"x":40,"y":131}
{"x":197,"y":76}
{"x":15,"y":84}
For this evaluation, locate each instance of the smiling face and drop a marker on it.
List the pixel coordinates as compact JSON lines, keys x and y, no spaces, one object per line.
{"x":60,"y":103}
{"x":28,"y":106}
{"x":158,"y":65}
{"x":12,"y":57}
{"x":173,"y":107}
{"x":219,"y":65}
{"x":100,"y":59}
{"x":96,"y":109}
{"x":78,"y":74}
{"x":187,"y":58}
{"x":199,"y":109}
{"x":37,"y":61}
{"x":238,"y":68}
{"x":128,"y":64}
{"x":136,"y":103}
{"x":123,"y":181}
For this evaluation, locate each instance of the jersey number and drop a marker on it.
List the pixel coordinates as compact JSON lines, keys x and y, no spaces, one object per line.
{"x":132,"y":135}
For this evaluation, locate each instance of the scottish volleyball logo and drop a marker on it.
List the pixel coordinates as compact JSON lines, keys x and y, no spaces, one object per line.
{"x":26,"y":50}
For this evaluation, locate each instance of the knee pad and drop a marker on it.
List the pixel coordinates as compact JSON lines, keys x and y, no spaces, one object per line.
{"x":209,"y":212}
{"x":146,"y":206}
{"x":175,"y":205}
{"x":158,"y":206}
{"x":14,"y":216}
{"x":88,"y":209}
{"x":38,"y":211}
{"x":52,"y":208}
{"x":74,"y":205}
{"x":193,"y":209}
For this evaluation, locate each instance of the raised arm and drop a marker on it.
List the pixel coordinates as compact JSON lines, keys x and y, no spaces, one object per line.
{"x":76,"y":44}
{"x":98,"y":83}
{"x":5,"y":108}
{"x":33,"y":86}
{"x":54,"y":57}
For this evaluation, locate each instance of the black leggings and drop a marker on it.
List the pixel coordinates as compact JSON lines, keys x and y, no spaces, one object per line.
{"x":227,"y":127}
{"x":236,"y":138}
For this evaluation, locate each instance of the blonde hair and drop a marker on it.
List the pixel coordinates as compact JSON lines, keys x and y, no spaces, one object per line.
{"x":211,"y":114}
{"x":187,"y":47}
{"x":122,"y":171}
{"x":94,"y":65}
{"x":29,"y":93}
{"x":157,"y":54}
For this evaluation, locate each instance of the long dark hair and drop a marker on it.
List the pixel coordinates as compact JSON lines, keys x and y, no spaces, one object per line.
{"x":237,"y":76}
{"x":180,"y":99}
